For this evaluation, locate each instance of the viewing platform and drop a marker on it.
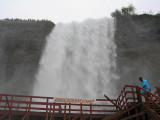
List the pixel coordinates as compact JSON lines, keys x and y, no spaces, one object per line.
{"x":131,"y":104}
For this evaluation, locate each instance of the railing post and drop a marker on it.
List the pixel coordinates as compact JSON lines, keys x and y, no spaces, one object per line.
{"x":53,"y":111}
{"x":60,"y":109}
{"x":81,"y":111}
{"x":7,"y":102}
{"x":29,"y":108}
{"x":139,"y":95}
{"x":119,"y":103}
{"x":65,"y":111}
{"x":136,"y":109}
{"x":10,"y":115}
{"x":133,"y":96}
{"x":0,"y":98}
{"x":116,"y":104}
{"x":69,"y":111}
{"x":8,"y":107}
{"x":125,"y":98}
{"x":90,"y":111}
{"x":47,"y":110}
{"x":139,"y":98}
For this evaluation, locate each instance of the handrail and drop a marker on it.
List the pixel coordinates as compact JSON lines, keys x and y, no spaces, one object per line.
{"x":42,"y":97}
{"x":47,"y":105}
{"x":130,"y":94}
{"x":133,"y":94}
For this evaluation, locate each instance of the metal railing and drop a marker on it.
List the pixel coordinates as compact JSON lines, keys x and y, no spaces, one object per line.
{"x":131,"y":97}
{"x":27,"y":105}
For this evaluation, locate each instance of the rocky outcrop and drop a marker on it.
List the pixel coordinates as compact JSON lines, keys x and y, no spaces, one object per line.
{"x":138,"y":49}
{"x":21,"y":45}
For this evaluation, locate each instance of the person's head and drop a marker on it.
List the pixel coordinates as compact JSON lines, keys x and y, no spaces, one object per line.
{"x":141,"y":79}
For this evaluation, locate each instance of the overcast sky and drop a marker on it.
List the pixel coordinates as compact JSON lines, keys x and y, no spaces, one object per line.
{"x":70,"y":10}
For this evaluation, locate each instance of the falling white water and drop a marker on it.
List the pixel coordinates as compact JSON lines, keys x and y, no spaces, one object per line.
{"x":78,"y":61}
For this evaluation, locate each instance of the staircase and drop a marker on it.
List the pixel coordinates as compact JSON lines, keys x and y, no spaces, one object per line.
{"x":133,"y":105}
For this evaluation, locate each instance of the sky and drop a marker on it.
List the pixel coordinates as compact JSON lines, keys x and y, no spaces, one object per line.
{"x":70,"y":10}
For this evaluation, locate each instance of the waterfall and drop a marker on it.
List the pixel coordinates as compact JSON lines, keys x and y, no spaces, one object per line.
{"x":79,"y":60}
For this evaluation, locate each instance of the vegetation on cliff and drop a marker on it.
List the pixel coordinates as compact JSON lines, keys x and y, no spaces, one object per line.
{"x":125,"y":11}
{"x":138,"y":39}
{"x":21,"y":39}
{"x":21,"y":46}
{"x":130,"y":10}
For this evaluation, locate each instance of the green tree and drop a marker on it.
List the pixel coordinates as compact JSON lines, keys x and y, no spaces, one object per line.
{"x":116,"y":13}
{"x":125,"y":11}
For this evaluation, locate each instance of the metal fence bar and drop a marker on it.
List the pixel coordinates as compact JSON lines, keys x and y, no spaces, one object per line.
{"x":90,"y":111}
{"x":10,"y":115}
{"x":69,"y":111}
{"x":47,"y":110}
{"x":29,"y":108}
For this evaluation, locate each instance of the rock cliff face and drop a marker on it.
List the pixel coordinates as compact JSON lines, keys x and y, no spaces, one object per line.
{"x":21,"y":46}
{"x":138,"y":49}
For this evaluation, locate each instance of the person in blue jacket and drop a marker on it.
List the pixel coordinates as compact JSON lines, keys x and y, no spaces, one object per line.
{"x":145,"y":85}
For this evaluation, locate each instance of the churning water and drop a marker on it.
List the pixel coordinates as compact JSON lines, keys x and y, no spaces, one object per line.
{"x":79,"y":60}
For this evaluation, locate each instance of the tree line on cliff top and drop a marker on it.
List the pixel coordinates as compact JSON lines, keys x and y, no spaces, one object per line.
{"x":23,"y":40}
{"x":130,"y":10}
